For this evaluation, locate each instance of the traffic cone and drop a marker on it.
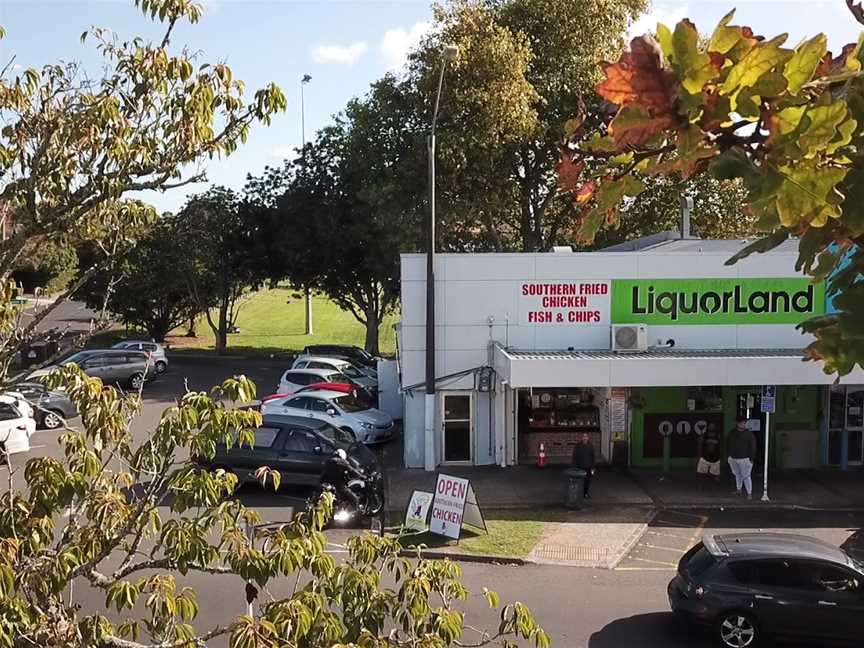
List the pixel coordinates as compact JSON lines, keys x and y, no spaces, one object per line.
{"x":541,"y":458}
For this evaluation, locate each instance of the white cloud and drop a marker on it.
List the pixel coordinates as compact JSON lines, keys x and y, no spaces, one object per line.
{"x":340,"y":54}
{"x":669,"y":16}
{"x":398,"y":42}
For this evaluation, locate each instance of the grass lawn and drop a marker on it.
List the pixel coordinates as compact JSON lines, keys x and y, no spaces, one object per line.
{"x":273,"y":321}
{"x":512,"y":533}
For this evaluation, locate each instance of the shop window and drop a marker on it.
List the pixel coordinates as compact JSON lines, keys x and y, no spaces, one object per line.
{"x":705,"y":399}
{"x":557,"y":418}
{"x":837,"y":408}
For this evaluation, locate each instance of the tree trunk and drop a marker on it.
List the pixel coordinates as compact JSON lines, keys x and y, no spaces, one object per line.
{"x":158,"y":329}
{"x":222,"y":329}
{"x":191,"y":332}
{"x":372,"y":325}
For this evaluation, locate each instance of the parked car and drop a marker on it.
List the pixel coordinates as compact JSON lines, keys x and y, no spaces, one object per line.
{"x":348,"y":412}
{"x":356,"y":355}
{"x":352,"y":373}
{"x":751,"y":586}
{"x":51,"y":407}
{"x":294,"y":379}
{"x":113,"y":366}
{"x":16,"y":424}
{"x":156,"y":351}
{"x":296,"y":446}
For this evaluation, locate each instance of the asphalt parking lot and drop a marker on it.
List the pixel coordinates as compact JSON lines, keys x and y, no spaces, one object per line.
{"x":672,"y":532}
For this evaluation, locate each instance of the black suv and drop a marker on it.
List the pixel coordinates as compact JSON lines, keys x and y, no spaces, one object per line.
{"x":754,"y":585}
{"x":352,"y":354}
{"x":296,"y":446}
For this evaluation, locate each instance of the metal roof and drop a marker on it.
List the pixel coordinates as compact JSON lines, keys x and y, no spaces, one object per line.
{"x":652,"y":354}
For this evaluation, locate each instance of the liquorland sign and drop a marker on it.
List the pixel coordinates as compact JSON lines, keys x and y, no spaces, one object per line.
{"x":716,"y":301}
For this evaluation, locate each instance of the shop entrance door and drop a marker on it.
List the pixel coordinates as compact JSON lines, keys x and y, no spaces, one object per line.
{"x":846,"y":417}
{"x":457,"y":427}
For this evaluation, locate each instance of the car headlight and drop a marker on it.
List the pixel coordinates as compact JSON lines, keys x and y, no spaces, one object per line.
{"x":366,"y":426}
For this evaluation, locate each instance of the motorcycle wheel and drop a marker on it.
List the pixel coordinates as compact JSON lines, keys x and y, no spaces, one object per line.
{"x":374,"y":503}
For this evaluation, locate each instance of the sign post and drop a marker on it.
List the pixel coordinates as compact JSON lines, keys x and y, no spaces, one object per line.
{"x":769,"y":400}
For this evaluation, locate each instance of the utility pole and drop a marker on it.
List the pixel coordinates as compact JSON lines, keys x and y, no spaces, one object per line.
{"x":308,"y":293}
{"x":429,"y":460}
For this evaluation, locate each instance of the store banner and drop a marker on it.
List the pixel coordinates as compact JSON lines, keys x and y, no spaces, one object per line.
{"x":574,"y":303}
{"x":682,"y":429}
{"x":716,"y":301}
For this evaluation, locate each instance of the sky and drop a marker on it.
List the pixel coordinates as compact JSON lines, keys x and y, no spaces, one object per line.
{"x":344,"y":45}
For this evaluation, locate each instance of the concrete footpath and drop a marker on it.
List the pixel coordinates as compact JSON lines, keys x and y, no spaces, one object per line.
{"x":608,"y":530}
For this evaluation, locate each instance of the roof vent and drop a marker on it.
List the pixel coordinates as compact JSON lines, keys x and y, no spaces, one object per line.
{"x":562,"y":249}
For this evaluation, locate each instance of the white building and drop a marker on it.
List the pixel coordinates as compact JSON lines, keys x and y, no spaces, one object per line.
{"x":714,"y":334}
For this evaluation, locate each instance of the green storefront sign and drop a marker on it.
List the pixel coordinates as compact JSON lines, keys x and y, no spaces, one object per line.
{"x":716,"y":301}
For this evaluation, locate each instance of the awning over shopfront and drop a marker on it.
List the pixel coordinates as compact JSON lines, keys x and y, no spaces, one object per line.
{"x":662,"y":368}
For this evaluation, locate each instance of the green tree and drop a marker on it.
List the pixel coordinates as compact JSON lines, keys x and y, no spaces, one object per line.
{"x":143,"y":287}
{"x":718,"y":212}
{"x":338,"y":216}
{"x":73,"y":146}
{"x":786,"y":122}
{"x":217,"y":265}
{"x":48,"y":265}
{"x":522,"y":68}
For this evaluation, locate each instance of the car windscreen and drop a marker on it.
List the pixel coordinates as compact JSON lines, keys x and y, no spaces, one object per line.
{"x":697,"y":561}
{"x":351,"y":403}
{"x":352,"y":372}
{"x":337,"y":437}
{"x":77,"y":358}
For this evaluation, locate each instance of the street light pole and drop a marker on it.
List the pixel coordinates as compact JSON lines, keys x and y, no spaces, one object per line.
{"x":429,"y":459}
{"x":308,"y":293}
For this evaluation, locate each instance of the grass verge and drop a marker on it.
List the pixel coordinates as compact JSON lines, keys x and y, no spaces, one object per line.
{"x":512,"y":533}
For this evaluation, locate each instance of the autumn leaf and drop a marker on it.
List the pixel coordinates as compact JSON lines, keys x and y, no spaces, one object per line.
{"x":633,"y":126}
{"x":822,"y":126}
{"x":638,"y":77}
{"x":569,"y":173}
{"x":808,"y":194}
{"x":585,"y":192}
{"x":696,"y":67}
{"x":784,"y":122}
{"x":760,"y":60}
{"x":800,"y":68}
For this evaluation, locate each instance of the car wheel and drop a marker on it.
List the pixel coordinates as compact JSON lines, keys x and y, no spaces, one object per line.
{"x":52,"y":420}
{"x":161,"y":367}
{"x":349,"y":431}
{"x":136,"y":380}
{"x":737,"y":630}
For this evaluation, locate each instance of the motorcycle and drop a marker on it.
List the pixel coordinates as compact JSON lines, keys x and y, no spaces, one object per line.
{"x":369,"y":490}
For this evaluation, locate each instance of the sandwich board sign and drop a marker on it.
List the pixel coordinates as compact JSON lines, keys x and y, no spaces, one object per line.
{"x":418,"y":511}
{"x":454,"y":505}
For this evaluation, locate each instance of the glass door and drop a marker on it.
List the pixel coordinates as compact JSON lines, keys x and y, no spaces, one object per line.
{"x":458,"y":428}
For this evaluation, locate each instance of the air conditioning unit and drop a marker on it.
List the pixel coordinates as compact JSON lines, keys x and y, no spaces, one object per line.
{"x":629,"y":338}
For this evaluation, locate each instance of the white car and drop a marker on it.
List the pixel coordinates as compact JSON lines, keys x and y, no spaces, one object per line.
{"x":295,"y":379}
{"x":157,"y":352}
{"x":17,"y":424}
{"x":345,"y":411}
{"x":342,"y":366}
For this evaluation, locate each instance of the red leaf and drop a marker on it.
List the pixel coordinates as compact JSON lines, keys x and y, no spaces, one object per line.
{"x":585,"y":192}
{"x":633,"y":126}
{"x":639,"y":78}
{"x":569,"y":173}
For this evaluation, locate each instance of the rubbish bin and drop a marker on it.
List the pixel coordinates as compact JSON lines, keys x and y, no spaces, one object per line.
{"x":620,"y":451}
{"x":574,"y":491}
{"x":37,"y":353}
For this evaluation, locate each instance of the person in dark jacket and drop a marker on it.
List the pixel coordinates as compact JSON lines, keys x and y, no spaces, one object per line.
{"x":741,"y":449}
{"x":583,"y":458}
{"x":338,"y":471}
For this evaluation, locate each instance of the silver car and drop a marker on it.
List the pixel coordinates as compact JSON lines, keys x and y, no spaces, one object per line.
{"x":113,"y":366}
{"x":346,"y":411}
{"x":157,"y":352}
